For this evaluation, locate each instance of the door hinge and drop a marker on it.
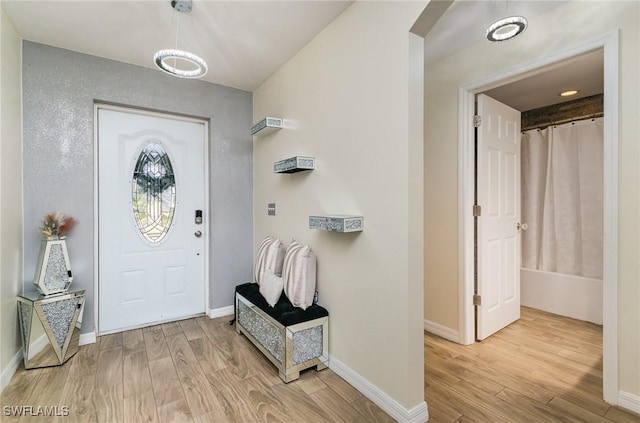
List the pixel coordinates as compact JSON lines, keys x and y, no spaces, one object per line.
{"x":477,"y":120}
{"x":477,"y":210}
{"x":477,"y":300}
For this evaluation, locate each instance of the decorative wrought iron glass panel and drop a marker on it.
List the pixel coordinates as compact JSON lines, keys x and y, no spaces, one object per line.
{"x":153,"y":191}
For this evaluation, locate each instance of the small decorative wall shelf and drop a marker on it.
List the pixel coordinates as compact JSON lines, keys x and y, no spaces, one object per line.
{"x":266,"y":126}
{"x":337,"y":223}
{"x":294,"y":164}
{"x":53,"y":270}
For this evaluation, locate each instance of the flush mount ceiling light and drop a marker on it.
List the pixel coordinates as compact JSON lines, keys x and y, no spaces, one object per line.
{"x":177,"y":62}
{"x":506,"y":28}
{"x":568,"y":93}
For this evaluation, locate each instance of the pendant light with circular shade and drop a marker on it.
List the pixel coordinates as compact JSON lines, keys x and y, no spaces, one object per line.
{"x":506,"y":28}
{"x":177,"y":62}
{"x":162,"y":58}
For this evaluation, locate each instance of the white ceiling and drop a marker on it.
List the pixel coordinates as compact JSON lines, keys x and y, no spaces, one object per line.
{"x":585,"y":73}
{"x":243,"y":42}
{"x":464,"y":24}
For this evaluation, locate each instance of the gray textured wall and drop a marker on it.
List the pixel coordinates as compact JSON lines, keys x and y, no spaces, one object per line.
{"x":59,"y":90}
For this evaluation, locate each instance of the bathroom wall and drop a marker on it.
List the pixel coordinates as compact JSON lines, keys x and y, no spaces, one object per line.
{"x":563,"y":112}
{"x":60,"y":88}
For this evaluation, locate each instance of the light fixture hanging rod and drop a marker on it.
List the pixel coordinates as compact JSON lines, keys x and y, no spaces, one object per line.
{"x":175,"y":55}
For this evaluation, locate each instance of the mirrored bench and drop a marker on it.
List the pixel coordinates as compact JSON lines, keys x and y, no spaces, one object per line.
{"x":291,"y":338}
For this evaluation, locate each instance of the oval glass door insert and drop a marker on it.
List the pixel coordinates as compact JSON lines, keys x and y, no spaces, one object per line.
{"x":153,"y":191}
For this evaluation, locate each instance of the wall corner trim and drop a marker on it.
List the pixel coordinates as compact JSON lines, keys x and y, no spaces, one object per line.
{"x":220,"y":312}
{"x":629,"y":401}
{"x":442,"y":331}
{"x":9,"y":371}
{"x":417,"y":414}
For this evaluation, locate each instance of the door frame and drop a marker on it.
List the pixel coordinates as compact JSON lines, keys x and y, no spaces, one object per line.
{"x":466,"y":94}
{"x":96,"y":210}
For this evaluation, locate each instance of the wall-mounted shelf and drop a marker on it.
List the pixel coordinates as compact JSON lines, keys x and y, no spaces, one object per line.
{"x":294,"y":164}
{"x":266,"y":126}
{"x":337,"y":223}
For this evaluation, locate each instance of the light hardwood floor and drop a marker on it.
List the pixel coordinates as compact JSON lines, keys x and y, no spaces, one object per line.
{"x":195,"y":370}
{"x":543,"y":368}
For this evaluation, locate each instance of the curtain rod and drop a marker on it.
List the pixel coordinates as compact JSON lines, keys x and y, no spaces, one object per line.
{"x":561,"y":121}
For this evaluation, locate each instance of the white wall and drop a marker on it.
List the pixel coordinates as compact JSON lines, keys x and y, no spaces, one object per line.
{"x":344,"y":98}
{"x":559,"y":29}
{"x":10,"y":194}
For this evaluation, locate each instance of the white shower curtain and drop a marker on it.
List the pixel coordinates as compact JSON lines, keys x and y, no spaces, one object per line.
{"x":562,"y":182}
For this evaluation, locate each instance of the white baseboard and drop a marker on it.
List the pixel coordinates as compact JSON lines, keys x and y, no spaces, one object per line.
{"x":629,"y":401}
{"x":441,"y":331}
{"x":418,"y":414}
{"x":87,"y":338}
{"x":9,"y":371}
{"x":220,"y":312}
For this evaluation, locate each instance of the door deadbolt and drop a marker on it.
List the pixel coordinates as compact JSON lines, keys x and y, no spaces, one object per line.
{"x":522,"y":226}
{"x":198,"y":234}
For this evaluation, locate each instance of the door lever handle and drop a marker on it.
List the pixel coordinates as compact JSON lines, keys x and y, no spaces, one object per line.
{"x":522,"y":226}
{"x":198,"y":234}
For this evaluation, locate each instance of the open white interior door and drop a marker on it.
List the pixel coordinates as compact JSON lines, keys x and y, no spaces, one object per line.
{"x":498,"y":237}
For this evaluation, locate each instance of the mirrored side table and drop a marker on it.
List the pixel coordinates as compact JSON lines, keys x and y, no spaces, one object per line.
{"x":50,"y":327}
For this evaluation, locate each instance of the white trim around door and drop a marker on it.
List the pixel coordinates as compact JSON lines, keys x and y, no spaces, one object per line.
{"x":206,"y":216}
{"x":609,"y":43}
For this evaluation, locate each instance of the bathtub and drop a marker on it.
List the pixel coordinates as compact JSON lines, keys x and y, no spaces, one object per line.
{"x":566,"y":295}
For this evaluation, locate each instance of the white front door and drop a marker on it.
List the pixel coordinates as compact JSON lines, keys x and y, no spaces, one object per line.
{"x":498,"y":184}
{"x":151,"y":185}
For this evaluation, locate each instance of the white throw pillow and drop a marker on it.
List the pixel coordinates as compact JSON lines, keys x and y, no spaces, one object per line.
{"x":271,"y":287}
{"x":270,"y":256}
{"x":259,"y":258}
{"x":299,"y":275}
